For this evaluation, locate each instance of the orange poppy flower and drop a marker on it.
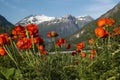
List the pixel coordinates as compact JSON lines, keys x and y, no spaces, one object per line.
{"x":4,"y":38}
{"x":41,"y":47}
{"x":110,"y":21}
{"x":100,"y":32}
{"x":18,"y":32}
{"x":24,"y":43}
{"x":81,"y":45}
{"x":101,"y":22}
{"x":91,"y":41}
{"x":68,"y":46}
{"x":43,"y":52}
{"x":32,"y":29}
{"x":52,"y":34}
{"x":93,"y":52}
{"x":76,"y":62}
{"x":38,"y":40}
{"x":105,"y":21}
{"x":60,"y":41}
{"x":74,"y":53}
{"x":116,"y":31}
{"x":91,"y":56}
{"x":58,"y":44}
{"x":83,"y":54}
{"x":2,"y":51}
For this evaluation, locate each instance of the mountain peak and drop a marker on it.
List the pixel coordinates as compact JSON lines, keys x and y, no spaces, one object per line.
{"x":37,"y":19}
{"x":4,"y":22}
{"x":88,"y":18}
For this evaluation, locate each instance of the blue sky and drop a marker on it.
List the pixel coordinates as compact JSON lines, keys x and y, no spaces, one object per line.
{"x":15,"y":10}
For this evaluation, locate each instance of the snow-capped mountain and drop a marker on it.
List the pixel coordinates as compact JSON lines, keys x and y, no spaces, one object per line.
{"x":84,"y":18}
{"x":37,"y":19}
{"x":65,"y":25}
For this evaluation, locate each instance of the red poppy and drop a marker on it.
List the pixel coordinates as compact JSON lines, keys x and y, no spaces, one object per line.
{"x":93,"y":52}
{"x":116,"y":30}
{"x":38,"y":40}
{"x":83,"y":54}
{"x":43,"y":52}
{"x":110,"y":21}
{"x":60,"y":41}
{"x":4,"y":38}
{"x":68,"y":46}
{"x":81,"y":45}
{"x":74,"y":53}
{"x":18,"y":32}
{"x":91,"y":56}
{"x":100,"y":32}
{"x":41,"y":47}
{"x":105,"y":21}
{"x":76,"y":62}
{"x":2,"y":51}
{"x":32,"y":29}
{"x":91,"y":41}
{"x":58,"y":44}
{"x":24,"y":43}
{"x":52,"y":34}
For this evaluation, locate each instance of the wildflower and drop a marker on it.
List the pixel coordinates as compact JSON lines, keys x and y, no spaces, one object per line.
{"x":91,"y":56}
{"x":100,"y":32}
{"x":68,"y":46}
{"x":18,"y":32}
{"x":78,"y":50}
{"x":116,"y":31}
{"x":38,"y":40}
{"x":74,"y":53}
{"x":83,"y":54}
{"x":24,"y":43}
{"x":41,"y":47}
{"x":105,"y":21}
{"x":93,"y":52}
{"x":2,"y":51}
{"x":32,"y":29}
{"x":79,"y":46}
{"x":76,"y":62}
{"x":58,"y":44}
{"x":43,"y":52}
{"x":60,"y":41}
{"x":4,"y":38}
{"x":91,"y":41}
{"x":52,"y":34}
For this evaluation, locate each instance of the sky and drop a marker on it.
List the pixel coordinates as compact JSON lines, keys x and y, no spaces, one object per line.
{"x":16,"y":10}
